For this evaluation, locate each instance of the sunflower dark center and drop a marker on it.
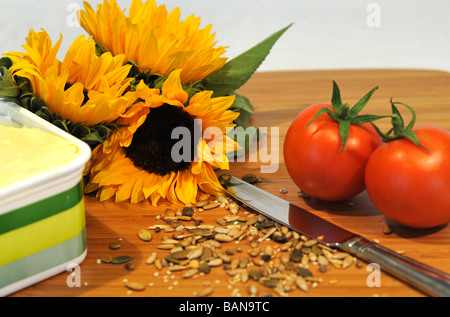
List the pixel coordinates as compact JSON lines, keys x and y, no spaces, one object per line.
{"x":151,"y":148}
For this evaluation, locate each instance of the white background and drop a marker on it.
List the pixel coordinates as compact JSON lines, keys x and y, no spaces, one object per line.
{"x":326,"y":34}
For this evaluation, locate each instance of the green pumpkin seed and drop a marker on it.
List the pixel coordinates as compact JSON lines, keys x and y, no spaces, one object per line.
{"x":270,"y":282}
{"x":296,"y":256}
{"x":302,"y":271}
{"x":204,"y":267}
{"x":122,"y":259}
{"x":114,"y":246}
{"x":255,"y":274}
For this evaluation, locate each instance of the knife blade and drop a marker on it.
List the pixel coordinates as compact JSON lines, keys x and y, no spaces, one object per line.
{"x":424,"y":278}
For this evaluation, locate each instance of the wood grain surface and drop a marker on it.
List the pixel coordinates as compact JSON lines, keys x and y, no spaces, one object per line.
{"x":277,"y":98}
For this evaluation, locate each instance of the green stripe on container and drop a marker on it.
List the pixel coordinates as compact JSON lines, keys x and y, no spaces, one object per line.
{"x":42,"y":261}
{"x":40,"y":210}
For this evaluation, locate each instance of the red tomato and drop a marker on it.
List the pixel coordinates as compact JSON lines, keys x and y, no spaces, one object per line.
{"x":410,"y":185}
{"x":314,"y":160}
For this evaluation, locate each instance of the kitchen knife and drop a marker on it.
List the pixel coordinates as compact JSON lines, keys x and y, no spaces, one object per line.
{"x":424,"y":278}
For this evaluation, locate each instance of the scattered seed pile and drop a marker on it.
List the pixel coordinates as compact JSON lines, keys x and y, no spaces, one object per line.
{"x":278,"y":260}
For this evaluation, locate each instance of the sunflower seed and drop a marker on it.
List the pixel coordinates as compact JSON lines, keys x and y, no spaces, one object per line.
{"x":285,"y":246}
{"x":336,"y":263}
{"x":254,"y":252}
{"x":253,"y":290}
{"x":221,"y":199}
{"x":211,"y":206}
{"x":166,"y":246}
{"x":299,"y":245}
{"x":221,"y":230}
{"x":195,"y":253}
{"x":175,"y":268}
{"x":339,"y":255}
{"x":223,"y":237}
{"x":204,"y":197}
{"x":268,"y":234}
{"x":268,"y":250}
{"x":284,"y":258}
{"x":312,"y":256}
{"x":151,"y":258}
{"x":134,"y":286}
{"x":215,"y":262}
{"x":204,"y":232}
{"x":244,"y":262}
{"x":310,"y":243}
{"x":322,"y":260}
{"x":158,"y":264}
{"x":301,"y":283}
{"x":206,"y":291}
{"x":348,"y":260}
{"x":190,"y":273}
{"x":225,"y":257}
{"x":243,"y":275}
{"x":234,"y":208}
{"x":283,"y":190}
{"x":201,"y":203}
{"x":313,"y":279}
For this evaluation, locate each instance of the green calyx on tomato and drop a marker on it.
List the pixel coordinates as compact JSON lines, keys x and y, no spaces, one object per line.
{"x":398,"y":129}
{"x":345,"y":115}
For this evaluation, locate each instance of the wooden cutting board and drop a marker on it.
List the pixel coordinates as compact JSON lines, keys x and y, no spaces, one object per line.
{"x":277,"y":98}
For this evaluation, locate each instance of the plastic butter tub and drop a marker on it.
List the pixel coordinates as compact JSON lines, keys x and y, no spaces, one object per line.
{"x":42,"y":217}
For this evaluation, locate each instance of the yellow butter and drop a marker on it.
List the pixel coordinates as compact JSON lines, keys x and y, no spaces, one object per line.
{"x":27,"y":152}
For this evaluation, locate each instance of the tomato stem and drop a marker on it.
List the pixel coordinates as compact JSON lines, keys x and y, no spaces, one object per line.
{"x":398,"y":129}
{"x":346,"y":115}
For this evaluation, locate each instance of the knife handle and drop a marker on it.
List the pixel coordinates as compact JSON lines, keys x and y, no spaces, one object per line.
{"x":427,"y":279}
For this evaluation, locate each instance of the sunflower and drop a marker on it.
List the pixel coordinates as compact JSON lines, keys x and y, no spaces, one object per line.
{"x":154,"y":39}
{"x":138,"y":164}
{"x":84,"y":87}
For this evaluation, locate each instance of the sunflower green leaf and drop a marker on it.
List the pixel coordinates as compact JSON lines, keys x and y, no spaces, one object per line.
{"x":237,"y":71}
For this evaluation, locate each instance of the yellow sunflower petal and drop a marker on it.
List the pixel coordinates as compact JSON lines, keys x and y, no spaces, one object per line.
{"x":186,"y":187}
{"x":106,"y":193}
{"x":209,"y":182}
{"x":172,"y":88}
{"x":166,"y":43}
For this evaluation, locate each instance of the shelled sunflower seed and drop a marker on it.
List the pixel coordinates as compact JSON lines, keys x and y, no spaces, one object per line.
{"x":278,"y":258}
